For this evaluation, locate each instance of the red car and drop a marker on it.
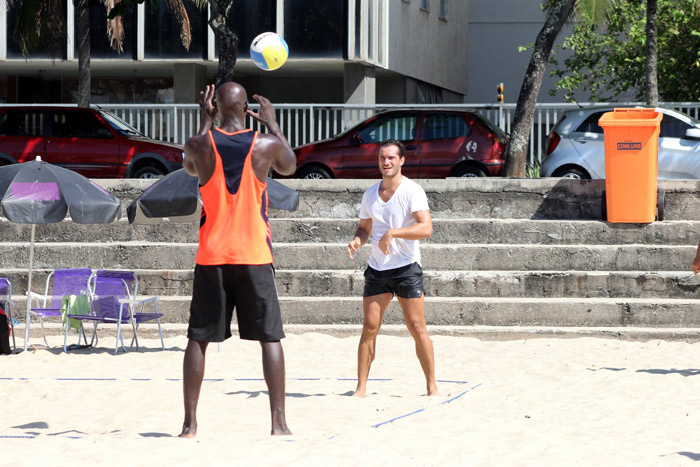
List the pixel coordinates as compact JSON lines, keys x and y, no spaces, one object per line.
{"x":439,"y":144}
{"x":92,"y":142}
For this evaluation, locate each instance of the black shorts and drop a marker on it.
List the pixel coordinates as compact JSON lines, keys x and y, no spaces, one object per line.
{"x":405,"y":282}
{"x":250,"y":289}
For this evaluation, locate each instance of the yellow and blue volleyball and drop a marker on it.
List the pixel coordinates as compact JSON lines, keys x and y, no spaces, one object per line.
{"x":269,"y":51}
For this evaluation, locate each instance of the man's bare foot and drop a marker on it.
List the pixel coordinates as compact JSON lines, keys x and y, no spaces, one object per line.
{"x":359,"y":392}
{"x":188,"y":432}
{"x":433,"y":390}
{"x":280,"y":431}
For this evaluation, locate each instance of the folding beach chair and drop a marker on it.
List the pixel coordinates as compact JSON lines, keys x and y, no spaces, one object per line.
{"x":112,"y":296}
{"x":6,"y":303}
{"x":59,"y":283}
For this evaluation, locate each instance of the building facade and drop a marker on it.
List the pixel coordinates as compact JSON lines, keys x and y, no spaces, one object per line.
{"x":341,"y":51}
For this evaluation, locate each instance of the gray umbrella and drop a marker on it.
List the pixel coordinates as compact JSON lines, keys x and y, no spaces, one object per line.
{"x":40,"y":193}
{"x":176,"y":196}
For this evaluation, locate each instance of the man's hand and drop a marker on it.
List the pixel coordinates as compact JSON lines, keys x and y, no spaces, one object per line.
{"x":266,"y":115}
{"x":207,"y":107}
{"x":353,"y":246}
{"x":385,"y":242}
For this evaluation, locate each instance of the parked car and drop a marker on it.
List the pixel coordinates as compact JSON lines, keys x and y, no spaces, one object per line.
{"x":575,"y":146}
{"x":439,"y":143}
{"x":92,"y":142}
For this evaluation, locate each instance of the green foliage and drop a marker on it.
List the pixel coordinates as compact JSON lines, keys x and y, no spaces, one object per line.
{"x":533,"y":170}
{"x":608,"y":62}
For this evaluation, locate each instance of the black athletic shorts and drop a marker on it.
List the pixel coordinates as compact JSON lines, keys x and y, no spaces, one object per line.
{"x":405,"y":282}
{"x":250,"y":289}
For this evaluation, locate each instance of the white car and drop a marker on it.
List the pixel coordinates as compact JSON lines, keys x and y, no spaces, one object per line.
{"x":575,"y":146}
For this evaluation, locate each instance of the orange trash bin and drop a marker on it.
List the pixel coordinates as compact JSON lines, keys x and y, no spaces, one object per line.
{"x":631,"y":138}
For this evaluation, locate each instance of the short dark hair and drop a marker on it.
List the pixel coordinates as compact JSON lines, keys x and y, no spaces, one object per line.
{"x":394,"y":142}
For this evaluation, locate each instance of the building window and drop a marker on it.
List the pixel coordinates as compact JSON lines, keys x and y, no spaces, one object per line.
{"x":443,"y":9}
{"x":425,"y":5}
{"x":13,"y":49}
{"x":315,"y":28}
{"x":162,"y":34}
{"x":99,"y":40}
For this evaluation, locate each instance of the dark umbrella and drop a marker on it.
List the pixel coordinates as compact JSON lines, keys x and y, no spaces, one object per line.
{"x":176,"y":196}
{"x":40,"y":193}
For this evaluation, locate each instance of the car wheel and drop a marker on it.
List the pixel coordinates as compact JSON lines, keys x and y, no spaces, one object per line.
{"x":314,"y":173}
{"x":467,"y":171}
{"x":149,"y":171}
{"x":571,"y":172}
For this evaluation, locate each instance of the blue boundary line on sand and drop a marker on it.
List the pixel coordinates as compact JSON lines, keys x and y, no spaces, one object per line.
{"x":422,"y":410}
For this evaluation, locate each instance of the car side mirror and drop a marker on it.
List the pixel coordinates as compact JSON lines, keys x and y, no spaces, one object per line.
{"x":103,"y":133}
{"x":355,"y":139}
{"x":692,"y":133}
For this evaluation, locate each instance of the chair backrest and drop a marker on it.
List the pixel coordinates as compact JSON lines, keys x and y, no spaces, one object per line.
{"x":107,"y":287}
{"x":65,"y":282}
{"x":5,"y":291}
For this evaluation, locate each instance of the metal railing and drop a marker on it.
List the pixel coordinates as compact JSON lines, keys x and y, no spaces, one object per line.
{"x":307,"y":123}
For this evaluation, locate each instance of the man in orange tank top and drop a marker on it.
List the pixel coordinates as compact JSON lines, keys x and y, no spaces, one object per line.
{"x":234,"y":259}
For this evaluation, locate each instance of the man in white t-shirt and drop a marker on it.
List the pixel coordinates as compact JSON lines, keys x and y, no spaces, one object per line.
{"x":395,"y":212}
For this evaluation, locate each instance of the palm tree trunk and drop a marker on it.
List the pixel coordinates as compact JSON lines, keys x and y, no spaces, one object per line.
{"x":82,"y":30}
{"x":525,"y":108}
{"x":651,"y":82}
{"x":228,"y":40}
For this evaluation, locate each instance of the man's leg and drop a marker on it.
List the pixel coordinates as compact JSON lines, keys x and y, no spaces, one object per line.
{"x":273,"y":369}
{"x":413,"y":313}
{"x":374,"y":308}
{"x":193,"y":374}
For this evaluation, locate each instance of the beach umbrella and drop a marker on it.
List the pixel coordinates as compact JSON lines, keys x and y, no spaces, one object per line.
{"x":176,"y":197}
{"x":36,"y":192}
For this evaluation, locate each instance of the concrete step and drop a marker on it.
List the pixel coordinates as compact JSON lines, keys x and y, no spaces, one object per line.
{"x":543,"y":198}
{"x":471,"y":311}
{"x":493,"y":333}
{"x":341,"y":230}
{"x":446,"y":257}
{"x":324,"y":283}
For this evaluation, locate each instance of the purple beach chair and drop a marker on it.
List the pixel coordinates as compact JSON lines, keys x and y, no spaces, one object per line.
{"x":59,"y":283}
{"x":112,"y":296}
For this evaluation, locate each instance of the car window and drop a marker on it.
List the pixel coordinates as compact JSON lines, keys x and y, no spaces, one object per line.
{"x":590,"y":124}
{"x":671,"y":127}
{"x":440,"y":126}
{"x":22,"y":123}
{"x":402,"y":128}
{"x":71,"y":123}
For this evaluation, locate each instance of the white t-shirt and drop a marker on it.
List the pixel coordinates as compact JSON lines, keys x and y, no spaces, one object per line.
{"x":408,"y":198}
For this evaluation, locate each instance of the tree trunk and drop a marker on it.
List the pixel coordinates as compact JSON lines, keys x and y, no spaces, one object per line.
{"x":228,"y":40}
{"x":651,"y":82}
{"x":82,"y":32}
{"x":525,"y":108}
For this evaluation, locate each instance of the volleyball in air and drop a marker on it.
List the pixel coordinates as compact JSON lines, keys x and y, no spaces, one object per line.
{"x":269,"y":51}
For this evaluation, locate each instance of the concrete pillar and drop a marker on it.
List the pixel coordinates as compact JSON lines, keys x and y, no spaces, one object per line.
{"x":359,"y":84}
{"x":188,"y":80}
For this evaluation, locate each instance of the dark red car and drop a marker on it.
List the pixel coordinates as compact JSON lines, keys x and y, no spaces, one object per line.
{"x":92,"y":142}
{"x":439,"y":144}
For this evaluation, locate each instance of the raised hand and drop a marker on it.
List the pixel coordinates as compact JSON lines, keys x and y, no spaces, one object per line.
{"x":266,"y":114}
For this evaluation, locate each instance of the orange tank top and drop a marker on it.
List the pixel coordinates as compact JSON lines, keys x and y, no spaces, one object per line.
{"x":234,"y":228}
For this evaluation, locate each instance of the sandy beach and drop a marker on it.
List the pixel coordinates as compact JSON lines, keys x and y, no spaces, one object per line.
{"x":536,"y":401}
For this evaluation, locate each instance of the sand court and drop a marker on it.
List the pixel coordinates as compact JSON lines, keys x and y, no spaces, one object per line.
{"x":589,"y":401}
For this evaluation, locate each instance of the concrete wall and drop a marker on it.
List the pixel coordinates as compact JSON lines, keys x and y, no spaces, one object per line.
{"x":495,"y":31}
{"x":427,"y":48}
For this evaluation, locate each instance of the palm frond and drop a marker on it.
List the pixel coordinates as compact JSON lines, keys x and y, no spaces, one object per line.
{"x":115,"y":27}
{"x":595,"y":11}
{"x":178,"y":8}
